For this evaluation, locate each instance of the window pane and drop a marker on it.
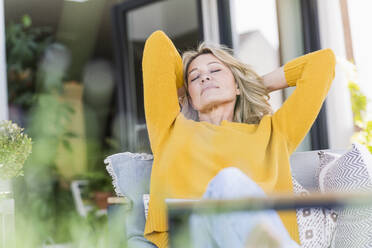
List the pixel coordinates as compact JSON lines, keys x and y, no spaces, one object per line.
{"x":257,"y":39}
{"x":179,"y":20}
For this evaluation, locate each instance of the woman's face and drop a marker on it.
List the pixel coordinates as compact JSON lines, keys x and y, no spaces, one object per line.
{"x":210,"y":83}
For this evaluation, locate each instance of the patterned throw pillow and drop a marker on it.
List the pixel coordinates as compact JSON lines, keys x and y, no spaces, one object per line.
{"x":315,"y":225}
{"x":350,"y":172}
{"x":325,"y":158}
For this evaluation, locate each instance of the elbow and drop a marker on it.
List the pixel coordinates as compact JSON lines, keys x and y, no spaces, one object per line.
{"x":155,"y":38}
{"x":153,"y":41}
{"x":156,"y":35}
{"x":330,"y":56}
{"x":152,"y":44}
{"x":325,"y":55}
{"x":329,"y":59}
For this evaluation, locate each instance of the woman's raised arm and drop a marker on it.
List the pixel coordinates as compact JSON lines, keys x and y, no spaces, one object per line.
{"x":162,"y":74}
{"x":275,"y":80}
{"x":312,"y":74}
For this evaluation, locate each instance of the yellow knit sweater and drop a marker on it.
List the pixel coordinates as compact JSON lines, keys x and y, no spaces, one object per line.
{"x":188,"y":154}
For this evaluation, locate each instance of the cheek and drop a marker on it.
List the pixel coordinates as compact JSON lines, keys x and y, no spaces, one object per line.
{"x":226,"y":77}
{"x":191,"y":90}
{"x":231,"y":79}
{"x":229,"y":83}
{"x":194,"y":93}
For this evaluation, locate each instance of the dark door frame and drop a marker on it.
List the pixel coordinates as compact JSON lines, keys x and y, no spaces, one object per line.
{"x":224,"y":23}
{"x":311,"y":35}
{"x":125,"y":98}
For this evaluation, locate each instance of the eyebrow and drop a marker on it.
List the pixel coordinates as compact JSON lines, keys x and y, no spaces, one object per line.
{"x":207,"y":64}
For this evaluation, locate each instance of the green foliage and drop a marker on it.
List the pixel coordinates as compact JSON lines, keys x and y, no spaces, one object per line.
{"x":42,"y":196}
{"x":64,"y":226}
{"x":44,"y":206}
{"x":98,"y":181}
{"x":359,"y":104}
{"x":15,"y":147}
{"x":24,"y":46}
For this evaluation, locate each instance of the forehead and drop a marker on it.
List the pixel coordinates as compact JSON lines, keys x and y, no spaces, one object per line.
{"x":203,"y":59}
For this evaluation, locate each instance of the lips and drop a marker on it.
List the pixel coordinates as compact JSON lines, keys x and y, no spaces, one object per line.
{"x":208,"y":87}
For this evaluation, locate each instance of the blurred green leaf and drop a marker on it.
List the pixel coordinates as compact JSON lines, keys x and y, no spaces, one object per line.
{"x":67,"y":145}
{"x":69,"y":108}
{"x":26,"y":20}
{"x":359,"y":103}
{"x":25,"y":45}
{"x":70,"y":135}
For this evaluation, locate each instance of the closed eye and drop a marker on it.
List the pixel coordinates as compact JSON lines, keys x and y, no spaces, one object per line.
{"x":217,"y":70}
{"x":194,"y":78}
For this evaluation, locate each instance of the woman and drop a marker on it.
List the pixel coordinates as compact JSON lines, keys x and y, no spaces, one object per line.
{"x":235,"y":126}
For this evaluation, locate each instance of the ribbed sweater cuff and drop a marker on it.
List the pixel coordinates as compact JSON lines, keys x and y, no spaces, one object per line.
{"x":293,"y":70}
{"x":160,"y":239}
{"x":156,"y":222}
{"x":156,"y":228}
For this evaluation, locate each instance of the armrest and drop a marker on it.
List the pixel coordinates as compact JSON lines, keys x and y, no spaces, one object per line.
{"x":118,"y":200}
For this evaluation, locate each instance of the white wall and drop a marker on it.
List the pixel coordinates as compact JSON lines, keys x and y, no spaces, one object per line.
{"x":254,"y":49}
{"x":339,"y":114}
{"x":256,"y":42}
{"x":3,"y":81}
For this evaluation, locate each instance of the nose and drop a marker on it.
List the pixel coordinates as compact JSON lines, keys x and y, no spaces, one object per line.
{"x":205,"y":78}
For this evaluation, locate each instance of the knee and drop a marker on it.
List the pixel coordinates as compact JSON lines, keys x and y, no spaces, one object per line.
{"x":232,"y":183}
{"x":231,"y":176}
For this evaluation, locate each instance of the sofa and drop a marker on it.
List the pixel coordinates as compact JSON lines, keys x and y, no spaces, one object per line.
{"x":131,"y":179}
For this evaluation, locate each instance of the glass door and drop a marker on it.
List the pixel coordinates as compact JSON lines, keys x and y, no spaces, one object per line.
{"x":133,"y":22}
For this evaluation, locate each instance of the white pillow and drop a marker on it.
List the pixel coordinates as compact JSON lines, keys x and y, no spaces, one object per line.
{"x":350,"y":172}
{"x":325,"y":159}
{"x":315,"y":225}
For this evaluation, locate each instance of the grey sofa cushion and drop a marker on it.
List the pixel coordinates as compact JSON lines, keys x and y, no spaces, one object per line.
{"x":131,"y":178}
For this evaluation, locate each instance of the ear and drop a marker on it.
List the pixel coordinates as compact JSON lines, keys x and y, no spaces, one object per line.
{"x":237,"y":90}
{"x":181,"y":91}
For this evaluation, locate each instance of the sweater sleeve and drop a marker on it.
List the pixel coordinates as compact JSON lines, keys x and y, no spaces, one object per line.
{"x":162,"y":74}
{"x":312,"y":74}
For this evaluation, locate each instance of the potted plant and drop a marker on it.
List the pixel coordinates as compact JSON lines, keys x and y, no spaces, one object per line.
{"x":99,"y":187}
{"x":15,"y":147}
{"x":24,"y":47}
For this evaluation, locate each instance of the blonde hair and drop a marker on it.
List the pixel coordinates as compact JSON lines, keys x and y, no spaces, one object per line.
{"x":252,"y":103}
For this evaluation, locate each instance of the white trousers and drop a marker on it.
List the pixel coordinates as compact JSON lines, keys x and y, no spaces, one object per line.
{"x":232,"y":229}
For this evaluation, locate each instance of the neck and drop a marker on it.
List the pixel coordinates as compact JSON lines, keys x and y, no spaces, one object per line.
{"x":216,"y":114}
